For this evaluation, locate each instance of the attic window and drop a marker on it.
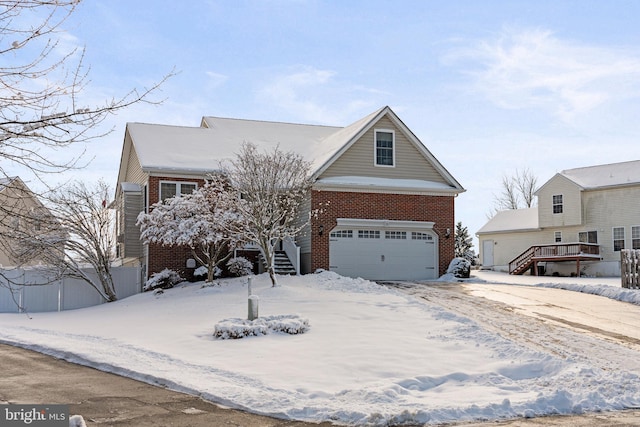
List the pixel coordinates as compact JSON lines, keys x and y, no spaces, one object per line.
{"x":385,"y":144}
{"x":557,"y":203}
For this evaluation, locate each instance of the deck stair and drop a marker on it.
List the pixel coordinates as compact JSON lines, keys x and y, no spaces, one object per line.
{"x":559,"y":252}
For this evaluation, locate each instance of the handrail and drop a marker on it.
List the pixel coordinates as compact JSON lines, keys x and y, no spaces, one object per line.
{"x":557,"y":250}
{"x":293,"y":252}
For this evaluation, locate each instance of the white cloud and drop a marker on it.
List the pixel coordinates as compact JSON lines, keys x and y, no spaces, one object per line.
{"x":315,"y":96}
{"x":215,"y":80}
{"x":534,"y":68}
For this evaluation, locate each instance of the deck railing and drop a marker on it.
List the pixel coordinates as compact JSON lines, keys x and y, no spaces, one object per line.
{"x":554,"y":250}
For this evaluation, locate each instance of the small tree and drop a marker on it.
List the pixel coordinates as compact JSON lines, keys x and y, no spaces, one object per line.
{"x":273,"y":185}
{"x":204,"y":220}
{"x":464,"y":244}
{"x":517,"y":191}
{"x":75,"y":232}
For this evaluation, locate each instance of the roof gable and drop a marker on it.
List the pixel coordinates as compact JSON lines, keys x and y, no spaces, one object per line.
{"x":180,"y":149}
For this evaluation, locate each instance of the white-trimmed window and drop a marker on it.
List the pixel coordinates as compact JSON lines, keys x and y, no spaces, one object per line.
{"x":396,"y":235}
{"x":557,"y":236}
{"x":342,"y":234}
{"x":170,"y":189}
{"x":368,"y":234}
{"x":417,"y":235}
{"x":557,"y":204}
{"x":618,"y":239}
{"x":635,"y":237}
{"x":385,"y":148}
{"x":588,"y":237}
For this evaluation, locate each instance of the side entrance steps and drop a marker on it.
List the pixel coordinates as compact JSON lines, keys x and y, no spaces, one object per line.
{"x":282,"y":264}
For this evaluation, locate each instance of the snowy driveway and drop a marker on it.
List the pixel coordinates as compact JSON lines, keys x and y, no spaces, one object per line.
{"x":571,"y":325}
{"x":596,"y":315}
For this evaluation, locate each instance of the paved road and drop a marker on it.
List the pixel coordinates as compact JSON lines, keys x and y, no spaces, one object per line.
{"x":104,"y":399}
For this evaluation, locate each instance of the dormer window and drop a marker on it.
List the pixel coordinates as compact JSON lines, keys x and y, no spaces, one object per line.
{"x":385,"y":148}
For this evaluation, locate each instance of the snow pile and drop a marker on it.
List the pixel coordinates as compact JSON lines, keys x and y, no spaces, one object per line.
{"x":240,"y":328}
{"x":375,"y":356}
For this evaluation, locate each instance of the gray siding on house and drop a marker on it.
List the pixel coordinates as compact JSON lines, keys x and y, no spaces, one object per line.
{"x":358,"y":160}
{"x":133,"y":204}
{"x":571,"y":200}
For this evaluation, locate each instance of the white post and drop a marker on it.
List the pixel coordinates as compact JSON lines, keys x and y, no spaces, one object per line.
{"x":253,"y":307}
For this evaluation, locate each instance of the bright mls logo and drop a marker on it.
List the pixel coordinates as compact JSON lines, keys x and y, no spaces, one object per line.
{"x":34,"y":415}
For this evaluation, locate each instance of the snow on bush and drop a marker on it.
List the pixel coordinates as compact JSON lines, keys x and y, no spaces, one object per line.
{"x":164,"y":280}
{"x":239,"y":266}
{"x":460,"y":268}
{"x":239,"y":328}
{"x":202,"y":271}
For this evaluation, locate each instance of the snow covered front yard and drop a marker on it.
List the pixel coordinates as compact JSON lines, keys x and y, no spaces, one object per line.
{"x":371,"y":356}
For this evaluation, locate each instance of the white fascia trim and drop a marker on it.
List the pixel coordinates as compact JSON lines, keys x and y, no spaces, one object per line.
{"x":354,"y":188}
{"x":384,"y":223}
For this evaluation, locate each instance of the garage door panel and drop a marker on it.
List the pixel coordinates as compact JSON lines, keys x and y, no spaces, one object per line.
{"x":384,"y":258}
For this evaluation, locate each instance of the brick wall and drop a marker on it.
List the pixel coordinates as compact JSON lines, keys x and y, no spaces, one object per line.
{"x":174,"y":258}
{"x":402,"y":207}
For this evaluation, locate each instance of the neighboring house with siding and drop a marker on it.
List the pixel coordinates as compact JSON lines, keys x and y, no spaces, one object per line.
{"x":20,"y":211}
{"x":584,"y":217}
{"x":387,"y":204}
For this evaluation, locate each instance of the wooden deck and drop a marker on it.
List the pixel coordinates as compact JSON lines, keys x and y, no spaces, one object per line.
{"x":559,"y":252}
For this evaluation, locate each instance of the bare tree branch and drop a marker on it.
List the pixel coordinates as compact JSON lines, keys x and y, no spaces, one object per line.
{"x":273,"y":185}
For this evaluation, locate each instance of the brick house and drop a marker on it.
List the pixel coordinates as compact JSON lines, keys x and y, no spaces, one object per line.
{"x":387,"y":203}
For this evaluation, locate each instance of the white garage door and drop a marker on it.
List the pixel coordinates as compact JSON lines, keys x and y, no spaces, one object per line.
{"x":383,"y":253}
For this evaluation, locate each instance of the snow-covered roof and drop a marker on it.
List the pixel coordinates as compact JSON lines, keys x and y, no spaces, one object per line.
{"x":614,"y":174}
{"x":312,"y":142}
{"x":176,"y":148}
{"x":199,"y":150}
{"x":512,"y":220}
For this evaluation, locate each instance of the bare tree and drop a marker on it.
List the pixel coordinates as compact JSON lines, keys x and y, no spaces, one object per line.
{"x":204,"y":220}
{"x":73,"y":236}
{"x":42,"y":107}
{"x":517,"y":191}
{"x":273,"y":185}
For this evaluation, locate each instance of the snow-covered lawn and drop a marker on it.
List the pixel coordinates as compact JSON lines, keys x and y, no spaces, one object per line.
{"x":371,"y":355}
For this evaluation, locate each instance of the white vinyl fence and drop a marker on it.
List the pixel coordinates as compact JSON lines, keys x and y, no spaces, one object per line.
{"x":29,"y":292}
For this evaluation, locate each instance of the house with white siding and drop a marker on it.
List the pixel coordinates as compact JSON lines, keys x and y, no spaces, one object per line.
{"x":584,"y":217}
{"x":386,"y":203}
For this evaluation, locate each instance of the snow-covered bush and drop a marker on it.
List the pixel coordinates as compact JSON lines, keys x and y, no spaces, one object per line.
{"x":460,"y":268}
{"x":203,"y":271}
{"x":239,"y":328}
{"x":164,"y":280}
{"x":239,"y":266}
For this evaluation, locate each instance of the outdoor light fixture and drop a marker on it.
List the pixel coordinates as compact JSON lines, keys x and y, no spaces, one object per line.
{"x":320,"y":230}
{"x":448,"y":233}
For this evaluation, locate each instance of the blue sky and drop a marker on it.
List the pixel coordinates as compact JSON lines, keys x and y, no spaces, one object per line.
{"x":488,"y":86}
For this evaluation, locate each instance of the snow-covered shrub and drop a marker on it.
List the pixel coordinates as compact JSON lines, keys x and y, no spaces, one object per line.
{"x":239,"y":266}
{"x":460,"y":268}
{"x":164,"y":280}
{"x":202,"y":272}
{"x":239,"y":328}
